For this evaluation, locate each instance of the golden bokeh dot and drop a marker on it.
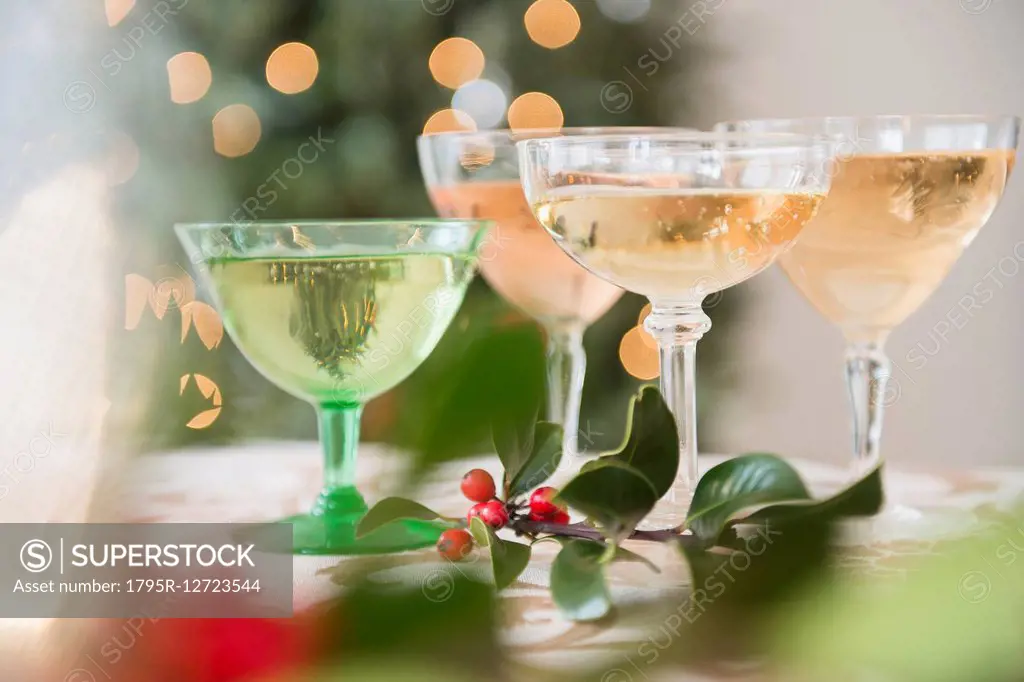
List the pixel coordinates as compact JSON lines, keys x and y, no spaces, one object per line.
{"x":117,"y":10}
{"x":533,"y":110}
{"x":552,"y":23}
{"x":292,"y":68}
{"x":639,"y":359}
{"x":236,"y":130}
{"x":448,"y":120}
{"x":644,"y":312}
{"x":190,"y":77}
{"x":455,"y":62}
{"x":647,"y":338}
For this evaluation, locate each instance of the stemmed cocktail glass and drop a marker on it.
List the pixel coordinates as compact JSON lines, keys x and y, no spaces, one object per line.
{"x":476,"y":175}
{"x":909,"y":194}
{"x":675,"y":217}
{"x":336,"y":313}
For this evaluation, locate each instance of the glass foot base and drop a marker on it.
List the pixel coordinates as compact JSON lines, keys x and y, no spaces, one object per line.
{"x":318,"y":534}
{"x":902,"y":522}
{"x":670,"y":512}
{"x":315,"y":534}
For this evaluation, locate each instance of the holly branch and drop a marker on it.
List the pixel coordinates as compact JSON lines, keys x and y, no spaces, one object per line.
{"x":755,"y":494}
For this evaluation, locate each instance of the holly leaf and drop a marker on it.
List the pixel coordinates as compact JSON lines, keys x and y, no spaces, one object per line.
{"x":762,"y":567}
{"x":513,"y":441}
{"x":508,"y":559}
{"x":393,"y":509}
{"x":702,"y":561}
{"x":622,"y":554}
{"x":446,"y":617}
{"x":577,"y":581}
{"x":651,"y":444}
{"x":561,"y":540}
{"x":766,"y":551}
{"x":612,"y":493}
{"x":863,"y":498}
{"x":737,"y":484}
{"x":545,"y":456}
{"x":451,"y":404}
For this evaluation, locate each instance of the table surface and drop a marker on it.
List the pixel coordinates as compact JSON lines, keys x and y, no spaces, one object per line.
{"x":265,"y":481}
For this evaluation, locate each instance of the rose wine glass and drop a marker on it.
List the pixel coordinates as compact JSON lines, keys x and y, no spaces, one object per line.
{"x":476,"y":175}
{"x":336,"y":313}
{"x":675,"y":217}
{"x":909,"y":194}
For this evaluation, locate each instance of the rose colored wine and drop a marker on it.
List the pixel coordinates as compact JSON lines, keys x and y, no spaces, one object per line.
{"x":889,"y":232}
{"x":520,"y":260}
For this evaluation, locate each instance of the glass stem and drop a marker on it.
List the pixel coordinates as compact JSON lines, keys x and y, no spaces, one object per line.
{"x":339,"y":438}
{"x":867,"y":373}
{"x":567,"y":365}
{"x":677,"y":328}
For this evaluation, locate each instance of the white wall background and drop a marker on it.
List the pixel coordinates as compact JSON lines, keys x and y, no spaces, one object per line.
{"x":812,"y":57}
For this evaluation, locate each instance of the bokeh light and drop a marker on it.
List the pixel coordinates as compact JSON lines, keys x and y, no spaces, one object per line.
{"x":190,"y":77}
{"x":624,"y":11}
{"x":552,"y":23}
{"x":448,"y":120}
{"x":455,"y":62}
{"x":482,"y":99}
{"x":236,"y":130}
{"x":292,"y":68}
{"x":535,"y":110}
{"x":117,"y":10}
{"x":644,"y":335}
{"x":211,"y":391}
{"x":639,"y":359}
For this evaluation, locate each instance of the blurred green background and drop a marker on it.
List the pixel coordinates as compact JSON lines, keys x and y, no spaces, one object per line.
{"x":218,"y":158}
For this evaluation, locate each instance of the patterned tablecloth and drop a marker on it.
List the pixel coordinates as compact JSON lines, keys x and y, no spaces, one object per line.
{"x":271,"y":480}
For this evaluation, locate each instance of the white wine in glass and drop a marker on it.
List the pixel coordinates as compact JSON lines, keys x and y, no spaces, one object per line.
{"x":341,"y":329}
{"x":891,"y":230}
{"x":662,"y":241}
{"x":675,"y":217}
{"x":476,"y":175}
{"x":909,"y":194}
{"x":336,"y":313}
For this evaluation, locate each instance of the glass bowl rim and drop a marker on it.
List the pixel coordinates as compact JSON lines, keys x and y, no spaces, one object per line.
{"x":552,"y":132}
{"x":997,"y":119}
{"x":769,"y":141}
{"x":336,"y":222}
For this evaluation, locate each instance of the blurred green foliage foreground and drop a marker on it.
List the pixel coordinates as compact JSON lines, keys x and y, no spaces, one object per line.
{"x":787,"y":611}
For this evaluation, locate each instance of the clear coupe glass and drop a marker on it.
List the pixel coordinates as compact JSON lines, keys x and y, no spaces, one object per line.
{"x":675,"y":217}
{"x":337,"y":313}
{"x":476,"y":175}
{"x":909,"y":194}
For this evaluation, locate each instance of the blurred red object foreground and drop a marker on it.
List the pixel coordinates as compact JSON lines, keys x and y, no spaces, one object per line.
{"x":211,"y":650}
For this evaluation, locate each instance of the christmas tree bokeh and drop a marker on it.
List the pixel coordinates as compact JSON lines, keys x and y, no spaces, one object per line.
{"x":241,"y":111}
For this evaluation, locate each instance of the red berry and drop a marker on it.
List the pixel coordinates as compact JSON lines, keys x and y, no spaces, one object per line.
{"x":560,"y":516}
{"x":455,"y":544}
{"x":475,"y":510}
{"x":477,"y":485}
{"x":541,"y":504}
{"x":493,"y":514}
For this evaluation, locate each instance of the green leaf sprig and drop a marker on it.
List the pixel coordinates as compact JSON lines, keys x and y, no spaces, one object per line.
{"x":749,"y":494}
